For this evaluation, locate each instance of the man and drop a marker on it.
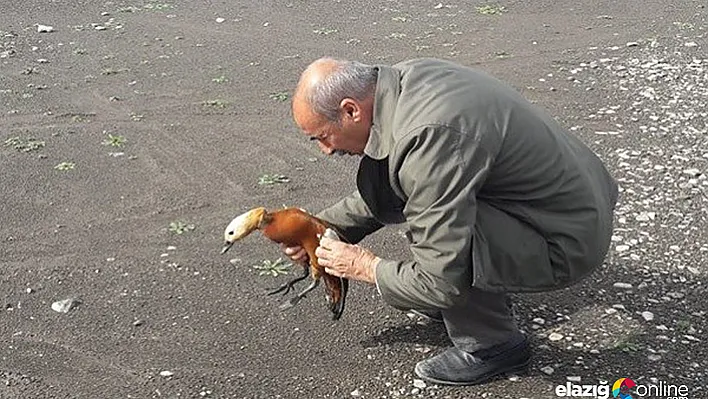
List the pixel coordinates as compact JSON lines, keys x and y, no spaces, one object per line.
{"x":497,"y":197}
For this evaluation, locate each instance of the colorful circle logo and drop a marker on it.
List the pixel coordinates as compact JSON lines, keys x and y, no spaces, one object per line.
{"x":621,"y":388}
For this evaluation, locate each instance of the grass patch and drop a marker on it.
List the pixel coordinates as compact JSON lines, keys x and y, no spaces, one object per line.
{"x":180,"y":227}
{"x":215,"y":103}
{"x":325,"y":31}
{"x":269,"y":180}
{"x":684,"y":25}
{"x":627,"y":345}
{"x":281,"y":96}
{"x":275,"y":269}
{"x":114,"y":141}
{"x":683,"y":325}
{"x":491,"y":9}
{"x":63,"y":166}
{"x":26,"y":145}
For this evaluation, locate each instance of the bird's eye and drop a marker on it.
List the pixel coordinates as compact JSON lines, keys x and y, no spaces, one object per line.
{"x":231,"y":233}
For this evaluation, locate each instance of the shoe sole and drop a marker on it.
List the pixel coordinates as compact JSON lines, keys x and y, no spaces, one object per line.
{"x":513,"y":370}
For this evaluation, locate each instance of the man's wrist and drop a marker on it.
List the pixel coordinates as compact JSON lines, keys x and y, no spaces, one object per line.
{"x":372,"y":268}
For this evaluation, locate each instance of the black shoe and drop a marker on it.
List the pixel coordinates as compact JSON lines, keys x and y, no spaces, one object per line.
{"x":429,"y":315}
{"x":457,"y":367}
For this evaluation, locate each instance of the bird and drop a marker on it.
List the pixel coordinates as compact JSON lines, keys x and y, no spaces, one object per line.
{"x":293,"y":227}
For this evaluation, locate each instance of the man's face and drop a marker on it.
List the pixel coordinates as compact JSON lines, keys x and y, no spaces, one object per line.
{"x":332,"y":138}
{"x":349,"y":135}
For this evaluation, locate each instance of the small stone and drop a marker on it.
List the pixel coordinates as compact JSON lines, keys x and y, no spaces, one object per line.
{"x":555,"y":336}
{"x":632,"y":44}
{"x":539,"y":320}
{"x":220,"y":20}
{"x":166,"y":373}
{"x":415,"y":391}
{"x":65,"y":305}
{"x":648,"y":316}
{"x":624,"y":286}
{"x":138,"y":323}
{"x":610,"y":311}
{"x":646,"y":216}
{"x":419,"y":383}
{"x":574,"y":378}
{"x":171,"y":248}
{"x":28,"y":290}
{"x":548,"y":370}
{"x":44,"y":28}
{"x":622,"y":248}
{"x":691,"y":44}
{"x":99,"y":27}
{"x":692,"y":172}
{"x":654,"y":357}
{"x":355,"y":393}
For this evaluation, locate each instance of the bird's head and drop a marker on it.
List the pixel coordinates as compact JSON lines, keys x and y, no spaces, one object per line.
{"x":242,"y":226}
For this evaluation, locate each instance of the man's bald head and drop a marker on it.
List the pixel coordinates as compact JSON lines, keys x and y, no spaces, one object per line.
{"x":334,"y":104}
{"x":327,"y":81}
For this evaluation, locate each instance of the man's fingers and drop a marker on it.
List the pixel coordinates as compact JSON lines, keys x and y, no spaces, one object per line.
{"x":332,"y":272}
{"x":321,"y":252}
{"x":324,"y":241}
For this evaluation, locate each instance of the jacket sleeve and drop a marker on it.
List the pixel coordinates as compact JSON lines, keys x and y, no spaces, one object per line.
{"x":440,"y":170}
{"x":352,"y":217}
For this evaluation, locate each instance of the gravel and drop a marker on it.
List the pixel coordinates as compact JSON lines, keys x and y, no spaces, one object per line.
{"x":652,"y":132}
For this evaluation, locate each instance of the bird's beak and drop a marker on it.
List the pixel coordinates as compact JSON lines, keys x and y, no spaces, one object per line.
{"x":226,"y":247}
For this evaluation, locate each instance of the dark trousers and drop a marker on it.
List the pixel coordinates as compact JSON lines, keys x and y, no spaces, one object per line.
{"x":483,"y":319}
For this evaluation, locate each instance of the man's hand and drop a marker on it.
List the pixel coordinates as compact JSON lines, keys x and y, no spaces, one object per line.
{"x":347,"y":261}
{"x":296,"y":254}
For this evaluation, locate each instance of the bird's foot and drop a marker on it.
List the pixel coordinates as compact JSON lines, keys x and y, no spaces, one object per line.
{"x":291,"y":303}
{"x":285,"y":287}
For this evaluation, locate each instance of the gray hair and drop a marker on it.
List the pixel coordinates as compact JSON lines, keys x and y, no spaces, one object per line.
{"x":350,"y":79}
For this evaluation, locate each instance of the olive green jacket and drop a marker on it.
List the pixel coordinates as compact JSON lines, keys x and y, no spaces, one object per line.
{"x":495,"y":193}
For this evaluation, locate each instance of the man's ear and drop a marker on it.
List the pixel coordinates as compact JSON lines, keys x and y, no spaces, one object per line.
{"x":350,"y":108}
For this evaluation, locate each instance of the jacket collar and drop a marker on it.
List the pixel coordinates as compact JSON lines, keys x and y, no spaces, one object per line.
{"x":388,"y":88}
